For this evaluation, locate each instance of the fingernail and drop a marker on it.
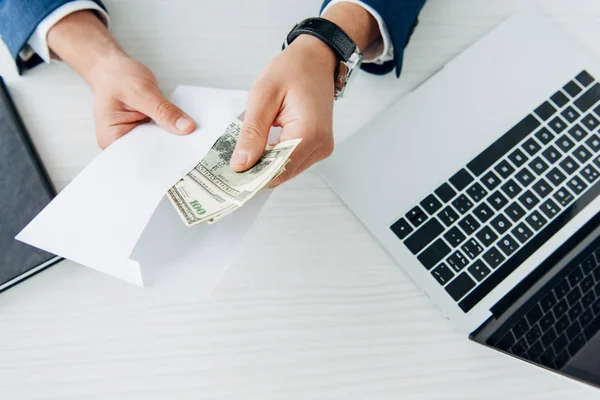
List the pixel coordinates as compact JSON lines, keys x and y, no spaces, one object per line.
{"x":183,"y":124}
{"x":239,"y":158}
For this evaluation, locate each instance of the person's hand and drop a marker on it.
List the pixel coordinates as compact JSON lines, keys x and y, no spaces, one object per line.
{"x":126,"y":93}
{"x":296,"y":93}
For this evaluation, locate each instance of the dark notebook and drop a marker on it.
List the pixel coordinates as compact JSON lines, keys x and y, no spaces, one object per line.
{"x":24,"y":191}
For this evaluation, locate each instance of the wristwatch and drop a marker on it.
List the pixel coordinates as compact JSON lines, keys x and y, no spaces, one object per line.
{"x":347,"y":52}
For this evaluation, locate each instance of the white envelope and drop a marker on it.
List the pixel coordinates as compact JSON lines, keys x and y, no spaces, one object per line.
{"x":114,"y":217}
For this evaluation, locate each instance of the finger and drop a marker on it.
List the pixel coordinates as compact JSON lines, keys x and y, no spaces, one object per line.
{"x":166,"y":114}
{"x":293,"y":172}
{"x":114,"y":132}
{"x":263,"y":106}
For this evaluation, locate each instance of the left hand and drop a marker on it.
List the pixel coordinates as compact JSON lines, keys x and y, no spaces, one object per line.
{"x":295,"y":93}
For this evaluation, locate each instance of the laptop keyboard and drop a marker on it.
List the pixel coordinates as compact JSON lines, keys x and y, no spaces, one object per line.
{"x":489,"y":217}
{"x":564,"y":316}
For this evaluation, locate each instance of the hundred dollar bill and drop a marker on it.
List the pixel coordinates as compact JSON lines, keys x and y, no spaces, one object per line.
{"x":239,"y":187}
{"x":195,"y":205}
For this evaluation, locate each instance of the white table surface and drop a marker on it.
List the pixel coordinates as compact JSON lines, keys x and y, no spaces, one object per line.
{"x":312,"y":308}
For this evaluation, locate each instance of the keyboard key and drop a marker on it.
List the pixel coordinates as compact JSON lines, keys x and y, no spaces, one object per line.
{"x":564,"y":143}
{"x":578,"y":133}
{"x":552,"y":154}
{"x":585,"y":79}
{"x":597,"y":111}
{"x":461,"y":179}
{"x":515,"y":211}
{"x":570,"y":114}
{"x":442,"y":274}
{"x":483,"y":212}
{"x":511,"y":188}
{"x":556,"y":177}
{"x":569,"y":165}
{"x":448,"y":216}
{"x":573,"y":330}
{"x":493,"y":257}
{"x":548,"y":301}
{"x":472,"y":248}
{"x":434,"y":254}
{"x":536,"y":220}
{"x":549,"y":208}
{"x":577,"y":185}
{"x":575,"y":277}
{"x":572,"y":89}
{"x":501,"y":224}
{"x":559,"y":99}
{"x":587,"y":283}
{"x":479,"y":270}
{"x":445,"y":192}
{"x":401,"y":228}
{"x":544,"y":136}
{"x":525,"y":177}
{"x":573,"y":297}
{"x":588,"y":299}
{"x":520,"y":328}
{"x":508,"y":245}
{"x":462,"y":204}
{"x":563,"y":320}
{"x":504,"y":169}
{"x":497,"y":200}
{"x":589,"y":98}
{"x":597,"y":161}
{"x":588,"y":264}
{"x":431,"y":204}
{"x":557,"y":125}
{"x":533,"y":335}
{"x":518,"y":158}
{"x":416,"y":216}
{"x":457,"y":261}
{"x":590,"y":122}
{"x":547,"y":358}
{"x":586,"y":317}
{"x":477,"y":192}
{"x":596,"y":307}
{"x":563,"y":196}
{"x":589,"y":173}
{"x":529,"y":200}
{"x":582,"y":154}
{"x":562,"y":289}
{"x":545,"y":110}
{"x":575,"y":312}
{"x":560,"y":343}
{"x":542,"y":188}
{"x":503,"y":145}
{"x":460,"y":286}
{"x":576,"y":344}
{"x":424,"y":235}
{"x":594,"y":143}
{"x":469,"y":224}
{"x":531,"y":146}
{"x":538,"y":165}
{"x":522,"y":232}
{"x":546,"y":323}
{"x":454,"y":236}
{"x":491,"y":180}
{"x":519,"y":348}
{"x":486,"y":236}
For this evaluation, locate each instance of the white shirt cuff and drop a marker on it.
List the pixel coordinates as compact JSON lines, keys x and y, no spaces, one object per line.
{"x":38,"y":42}
{"x":381,"y":50}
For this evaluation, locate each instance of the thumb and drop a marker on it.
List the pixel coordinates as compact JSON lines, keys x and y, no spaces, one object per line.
{"x":165,"y":113}
{"x":262,"y":109}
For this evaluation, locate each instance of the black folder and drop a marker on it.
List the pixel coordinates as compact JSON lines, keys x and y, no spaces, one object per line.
{"x":24,"y":191}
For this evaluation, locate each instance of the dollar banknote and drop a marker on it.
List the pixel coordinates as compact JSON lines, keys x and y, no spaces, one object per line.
{"x":212,"y":190}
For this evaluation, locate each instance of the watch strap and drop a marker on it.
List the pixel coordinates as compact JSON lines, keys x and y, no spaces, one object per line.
{"x":329,"y":33}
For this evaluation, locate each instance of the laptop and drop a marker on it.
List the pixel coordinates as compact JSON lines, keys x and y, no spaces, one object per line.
{"x":24,"y":191}
{"x":483,"y":184}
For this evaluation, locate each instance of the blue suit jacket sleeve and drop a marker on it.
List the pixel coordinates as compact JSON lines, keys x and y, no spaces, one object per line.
{"x":18,"y":20}
{"x":400,"y":17}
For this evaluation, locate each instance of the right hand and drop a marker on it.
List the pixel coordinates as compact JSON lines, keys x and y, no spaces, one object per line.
{"x":126,"y":94}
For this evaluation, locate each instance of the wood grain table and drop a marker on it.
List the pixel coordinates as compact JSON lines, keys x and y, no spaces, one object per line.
{"x":313,"y":307}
